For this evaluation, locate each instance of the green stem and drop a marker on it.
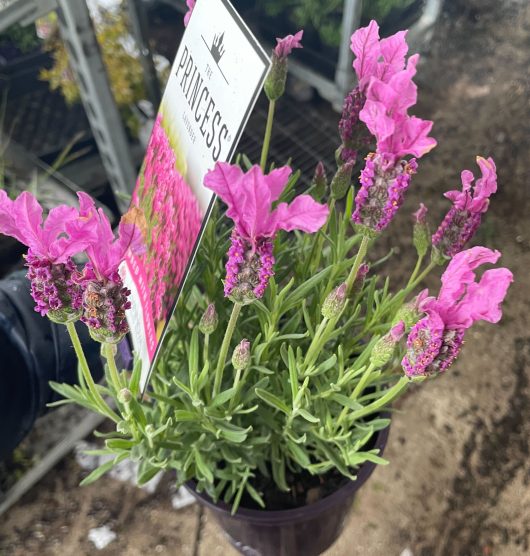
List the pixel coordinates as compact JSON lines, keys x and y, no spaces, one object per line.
{"x":357,"y":390}
{"x":318,"y":245}
{"x":235,"y":398}
{"x":113,"y":369}
{"x":268,"y":134}
{"x":308,"y":361}
{"x":363,"y":248}
{"x":422,"y":276}
{"x":399,"y":297}
{"x":87,"y":375}
{"x":415,"y":271}
{"x":224,"y":348}
{"x":390,"y":394}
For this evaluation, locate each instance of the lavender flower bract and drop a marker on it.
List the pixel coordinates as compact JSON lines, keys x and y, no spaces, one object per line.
{"x":435,"y":341}
{"x":54,"y":278}
{"x":464,"y":217}
{"x":249,"y":197}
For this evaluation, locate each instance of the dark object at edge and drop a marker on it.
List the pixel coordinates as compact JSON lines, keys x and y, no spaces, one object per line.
{"x":33,"y":351}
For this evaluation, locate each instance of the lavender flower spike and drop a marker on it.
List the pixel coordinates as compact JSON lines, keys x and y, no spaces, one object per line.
{"x":435,"y":341}
{"x":54,"y":278}
{"x":464,"y":217}
{"x":105,"y":299}
{"x":250,"y":197}
{"x":382,"y":192}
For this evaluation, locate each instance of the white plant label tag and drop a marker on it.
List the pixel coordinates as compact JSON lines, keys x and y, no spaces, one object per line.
{"x":215,"y":81}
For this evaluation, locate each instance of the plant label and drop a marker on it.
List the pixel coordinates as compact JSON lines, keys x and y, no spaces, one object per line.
{"x":215,"y":81}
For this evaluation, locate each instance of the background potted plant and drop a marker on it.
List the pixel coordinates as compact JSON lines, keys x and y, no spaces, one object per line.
{"x":276,"y":416}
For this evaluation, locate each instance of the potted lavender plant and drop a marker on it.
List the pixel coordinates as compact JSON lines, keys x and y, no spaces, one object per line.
{"x":272,"y":398}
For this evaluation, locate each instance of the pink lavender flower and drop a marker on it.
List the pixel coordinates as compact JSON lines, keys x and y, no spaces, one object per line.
{"x":382,"y":192}
{"x":464,"y":217}
{"x":105,"y":299}
{"x":374,"y":58}
{"x":378,"y":58}
{"x":285,"y":46}
{"x":386,"y":175}
{"x":385,"y":79}
{"x":435,"y":341}
{"x":187,"y":16}
{"x":54,"y":277}
{"x":249,"y":197}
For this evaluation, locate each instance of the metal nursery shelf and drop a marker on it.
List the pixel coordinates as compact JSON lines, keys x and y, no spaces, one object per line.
{"x":85,"y":57}
{"x":335,"y":90}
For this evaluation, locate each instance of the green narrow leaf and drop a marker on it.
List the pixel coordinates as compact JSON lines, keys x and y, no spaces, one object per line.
{"x":255,"y":495}
{"x":303,"y":290}
{"x":360,"y":457}
{"x":119,"y":444}
{"x":193,"y":359}
{"x":298,"y":454}
{"x":102,"y":469}
{"x":345,"y":401}
{"x":245,"y":161}
{"x":307,"y":416}
{"x":232,"y":432}
{"x":293,"y":373}
{"x":146,"y":472}
{"x":183,"y":387}
{"x":272,"y":400}
{"x":328,"y":364}
{"x":223,"y":397}
{"x":134,"y":382}
{"x":205,"y":471}
{"x":278,"y":470}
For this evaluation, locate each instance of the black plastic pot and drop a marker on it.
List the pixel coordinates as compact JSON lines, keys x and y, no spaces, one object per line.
{"x":304,"y":531}
{"x":33,"y":351}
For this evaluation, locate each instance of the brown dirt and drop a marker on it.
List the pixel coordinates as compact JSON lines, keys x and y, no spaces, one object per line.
{"x":459,"y":473}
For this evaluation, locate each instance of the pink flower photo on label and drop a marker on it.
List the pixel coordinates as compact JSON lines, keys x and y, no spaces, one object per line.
{"x":173,"y":221}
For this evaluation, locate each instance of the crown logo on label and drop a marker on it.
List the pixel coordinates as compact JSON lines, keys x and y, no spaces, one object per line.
{"x":217,"y":50}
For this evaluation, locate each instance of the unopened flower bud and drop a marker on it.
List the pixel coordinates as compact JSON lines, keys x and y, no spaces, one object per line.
{"x":410,"y":313}
{"x":342,"y":180}
{"x":421,"y":237}
{"x":209,"y":320}
{"x":275,"y":82}
{"x":334,"y":302}
{"x":125,"y":396}
{"x":383,"y":350}
{"x":438,"y":257}
{"x":320,"y":181}
{"x":149,"y":430}
{"x":358,"y":283}
{"x":241,"y":355}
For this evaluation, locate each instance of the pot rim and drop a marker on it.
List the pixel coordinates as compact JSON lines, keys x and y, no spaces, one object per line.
{"x":274,"y":517}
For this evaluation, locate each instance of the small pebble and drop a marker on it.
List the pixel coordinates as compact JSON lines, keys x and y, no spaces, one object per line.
{"x":101,"y":536}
